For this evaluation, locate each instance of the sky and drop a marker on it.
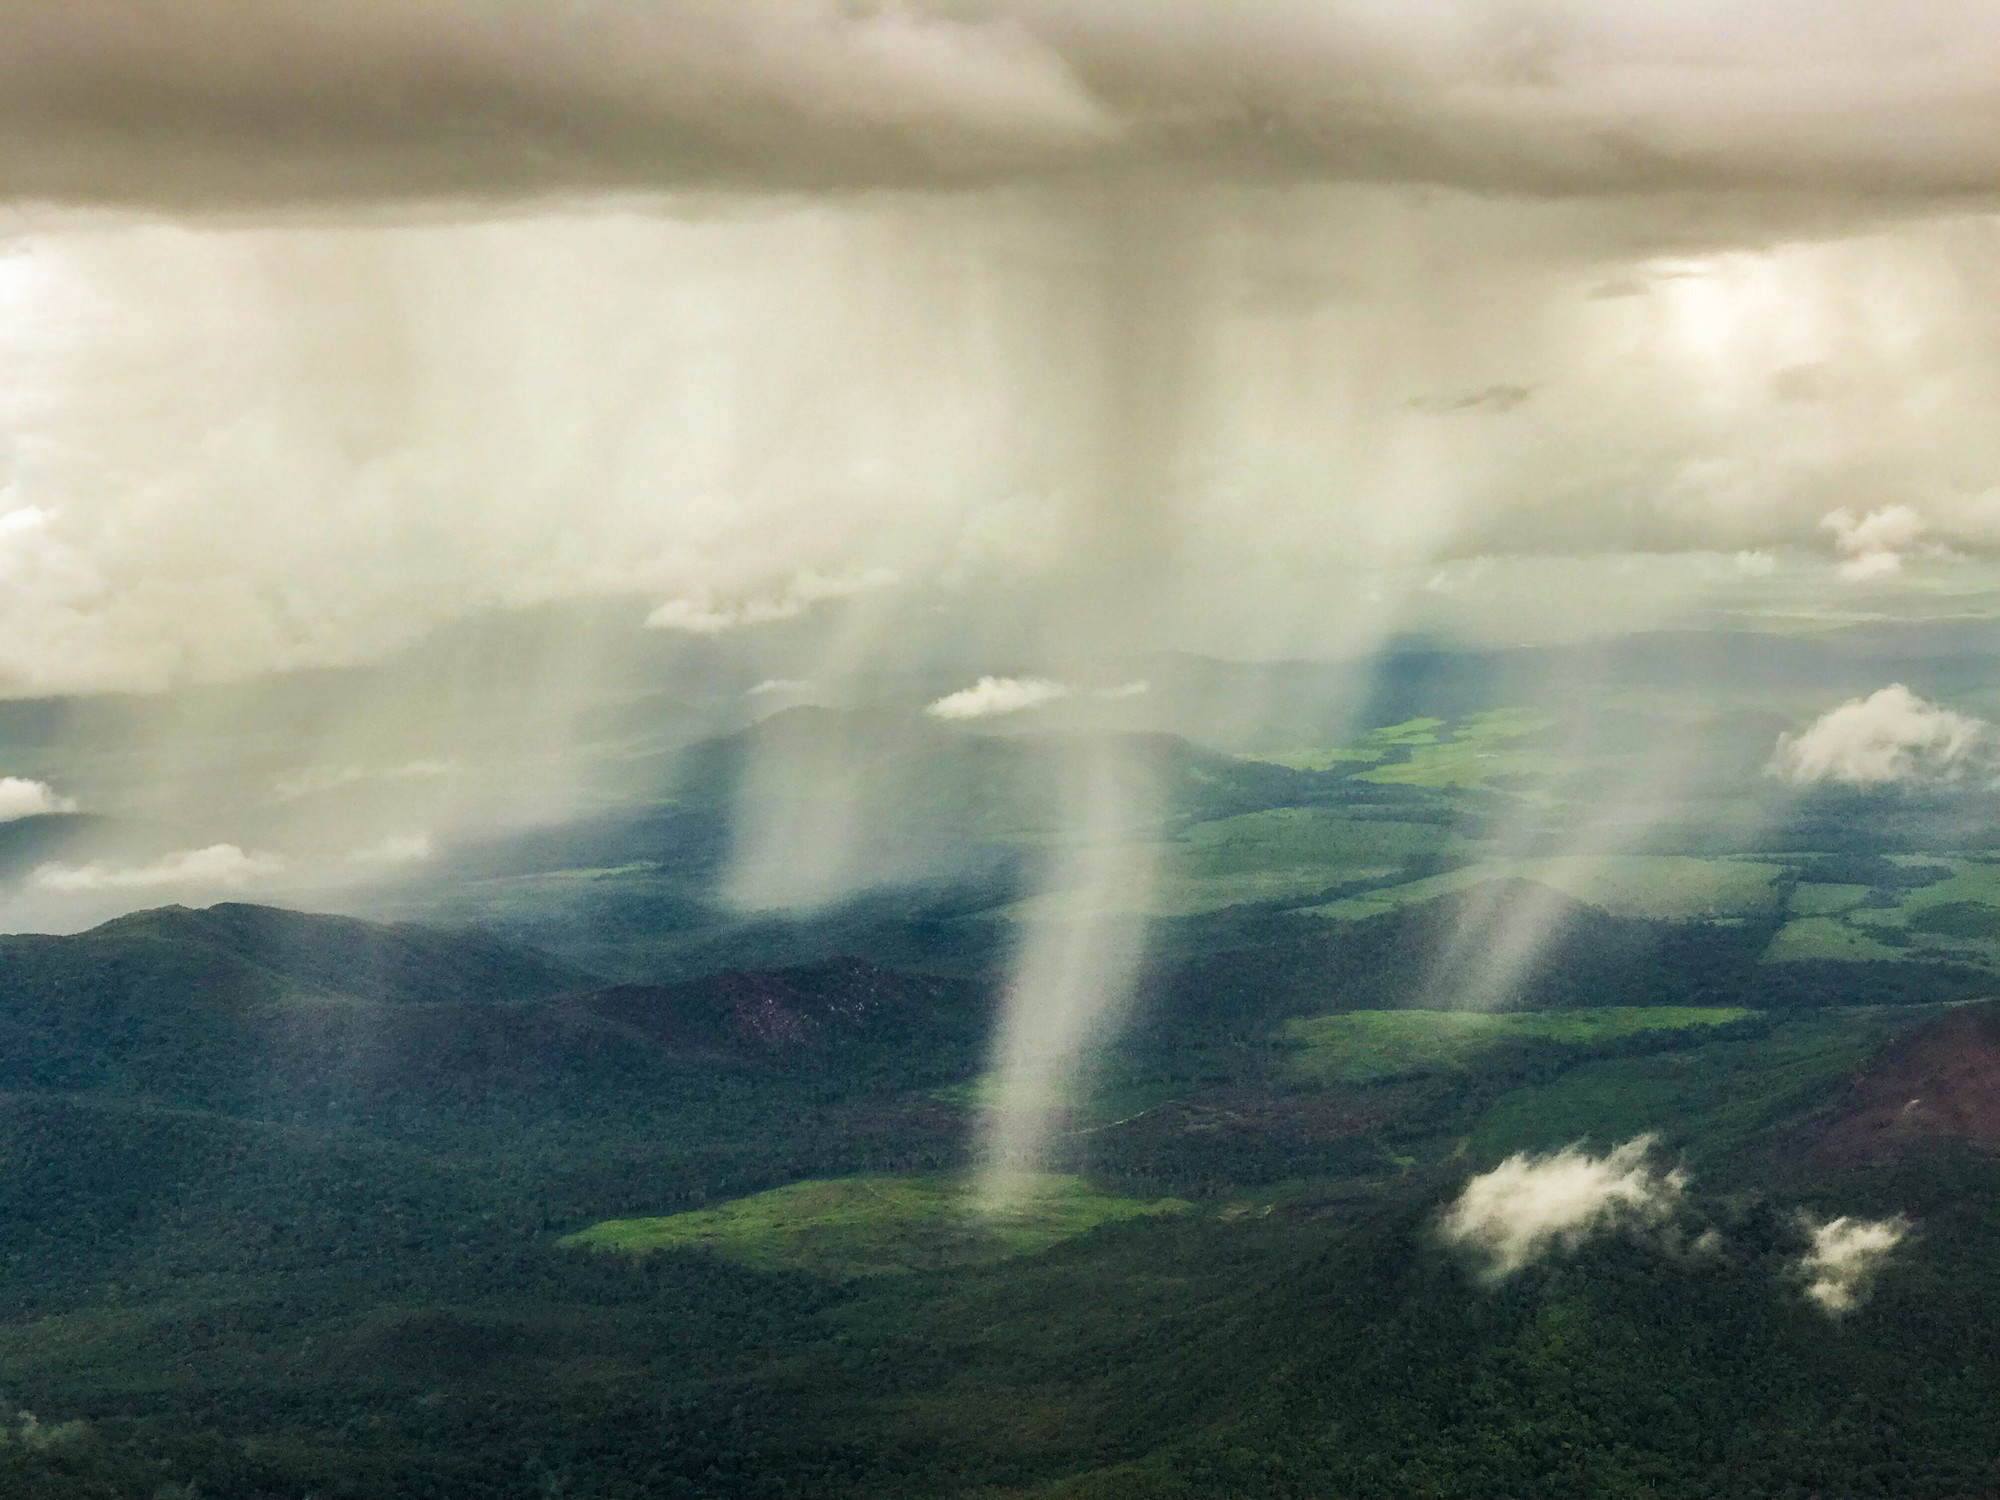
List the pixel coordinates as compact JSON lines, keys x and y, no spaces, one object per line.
{"x":1253,"y":330}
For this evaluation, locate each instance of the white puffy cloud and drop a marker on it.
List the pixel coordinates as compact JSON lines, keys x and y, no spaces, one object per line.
{"x":778,"y":686}
{"x":1845,"y":1257}
{"x":1891,"y":737}
{"x":999,"y":695}
{"x":705,"y":617}
{"x":1875,"y":545}
{"x":217,"y":865}
{"x":22,"y":798}
{"x":1530,"y":1205}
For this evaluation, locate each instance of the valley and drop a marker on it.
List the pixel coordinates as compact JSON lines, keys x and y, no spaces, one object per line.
{"x":574,"y":1175}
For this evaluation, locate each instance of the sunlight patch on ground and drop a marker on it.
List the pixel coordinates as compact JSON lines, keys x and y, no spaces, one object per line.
{"x":860,"y":1226}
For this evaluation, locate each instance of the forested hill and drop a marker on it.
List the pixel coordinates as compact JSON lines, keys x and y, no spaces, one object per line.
{"x":255,"y":1010}
{"x":278,"y":951}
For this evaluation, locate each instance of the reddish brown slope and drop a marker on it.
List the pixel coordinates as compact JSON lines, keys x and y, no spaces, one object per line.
{"x":1941,"y":1082}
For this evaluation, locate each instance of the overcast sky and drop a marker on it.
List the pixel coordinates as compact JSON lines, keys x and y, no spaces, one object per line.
{"x":1250,"y":328}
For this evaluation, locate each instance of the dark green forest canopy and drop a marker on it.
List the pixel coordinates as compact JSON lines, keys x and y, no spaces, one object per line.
{"x":285,"y":1193}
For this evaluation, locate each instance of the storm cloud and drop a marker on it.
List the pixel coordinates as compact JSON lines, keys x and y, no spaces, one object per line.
{"x":206,"y":103}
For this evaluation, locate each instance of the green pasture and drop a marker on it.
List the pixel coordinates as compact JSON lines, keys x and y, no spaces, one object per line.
{"x":1713,"y":1100}
{"x":1814,"y":900}
{"x":860,"y":1226}
{"x":1425,"y":752}
{"x":1472,"y":753}
{"x":1826,"y":937}
{"x":1174,"y":894}
{"x":1956,"y":919}
{"x":1667,"y":886}
{"x":1360,"y":1045}
{"x":1970,"y":880}
{"x":1971,"y":921}
{"x":1283,"y":854}
{"x":1284,"y":837}
{"x":1320,"y":759}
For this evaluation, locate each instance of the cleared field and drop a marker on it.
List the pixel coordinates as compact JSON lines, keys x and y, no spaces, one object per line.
{"x":1361,"y":1045}
{"x":1711,"y":1101}
{"x":867,"y":1226}
{"x":1319,"y":760}
{"x":1177,"y":895}
{"x":1284,"y":854}
{"x":1969,"y":920}
{"x":1668,"y":886}
{"x":1814,"y":900}
{"x":1957,"y":919}
{"x":1294,"y":836}
{"x":1970,"y":880}
{"x":1826,"y":937}
{"x":1426,"y":752}
{"x":1892,"y":917}
{"x":1474,"y":752}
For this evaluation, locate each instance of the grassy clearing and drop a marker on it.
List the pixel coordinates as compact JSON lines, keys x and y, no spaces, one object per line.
{"x":1177,"y":895}
{"x":1970,"y":880}
{"x":1409,"y":732}
{"x":1816,"y":900}
{"x":1321,"y":760}
{"x":1285,"y":854}
{"x":1470,"y":755}
{"x":1971,"y":921}
{"x":1956,"y":920}
{"x":1826,"y":937}
{"x":862,"y":1226}
{"x":1361,"y":1045}
{"x":1292,"y":836}
{"x":1424,"y":752}
{"x":1711,"y":1101}
{"x":1892,"y":917}
{"x":1668,"y":886}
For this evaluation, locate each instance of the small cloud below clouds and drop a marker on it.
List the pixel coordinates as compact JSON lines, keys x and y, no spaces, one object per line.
{"x":217,"y":865}
{"x":785,"y":686}
{"x":397,"y":849}
{"x":710,"y":617}
{"x":999,"y":695}
{"x":1122,"y":690}
{"x":22,"y":798}
{"x":1497,"y":399}
{"x":1846,"y":1256}
{"x":1876,"y":545}
{"x":1892,"y":737}
{"x":1530,"y":1205}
